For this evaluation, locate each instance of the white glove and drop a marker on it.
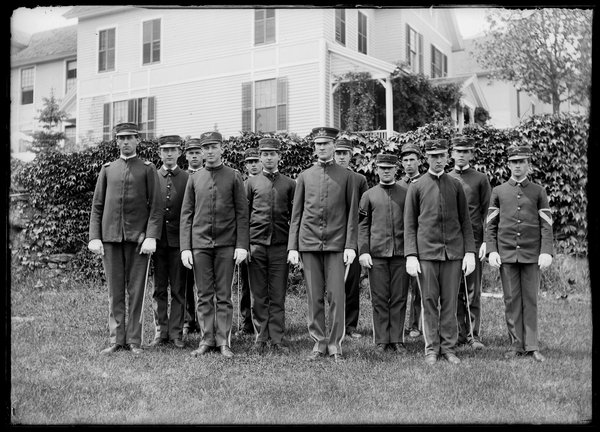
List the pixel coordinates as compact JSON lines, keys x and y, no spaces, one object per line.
{"x":468,"y":264}
{"x":482,"y":251}
{"x":494,"y":259}
{"x":293,"y":257}
{"x":413,"y":267}
{"x":187,"y":259}
{"x":544,"y":260}
{"x":239,"y":255}
{"x":96,"y":246}
{"x":349,"y":255}
{"x":149,"y":246}
{"x":365,"y":260}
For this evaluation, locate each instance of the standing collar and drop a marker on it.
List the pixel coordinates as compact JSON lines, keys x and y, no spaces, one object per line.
{"x":164,"y":171}
{"x":435,"y":174}
{"x":463,"y":169}
{"x":522,"y":183}
{"x":326,"y":163}
{"x":126,"y":158}
{"x":215,"y":168}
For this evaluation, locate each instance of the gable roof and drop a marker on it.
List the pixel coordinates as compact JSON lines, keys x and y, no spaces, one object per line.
{"x":465,"y":62}
{"x":47,"y":46}
{"x":468,"y":85}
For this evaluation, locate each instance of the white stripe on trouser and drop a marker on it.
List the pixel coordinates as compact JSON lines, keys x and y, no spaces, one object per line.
{"x":231,"y":300}
{"x":372,"y":318}
{"x":422,"y":314}
{"x":468,"y":304}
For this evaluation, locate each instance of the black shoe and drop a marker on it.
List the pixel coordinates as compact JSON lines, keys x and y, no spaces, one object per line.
{"x":111,"y":349}
{"x":259,"y":347}
{"x":512,"y":354}
{"x":537,"y":356}
{"x":226,"y":351}
{"x":380,"y":348}
{"x":353,"y":334}
{"x":136,"y":349}
{"x":315,"y":355}
{"x":399,"y":348}
{"x":338,"y":357}
{"x":202,"y":349}
{"x":178,"y":343}
{"x":431,"y":358}
{"x":280,"y":348}
{"x":158,"y":341}
{"x":451,"y":358}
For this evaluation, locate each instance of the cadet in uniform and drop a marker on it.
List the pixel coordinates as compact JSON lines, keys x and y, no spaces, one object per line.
{"x":437,"y":237}
{"x":193,"y":155}
{"x":168,"y":270}
{"x":343,"y":155}
{"x":270,"y":199}
{"x":519,"y":241}
{"x":125,"y":222}
{"x":213,"y":239}
{"x":324,"y":230}
{"x":253,"y":167}
{"x":410,"y":156}
{"x":381,"y":251}
{"x":478,"y":191}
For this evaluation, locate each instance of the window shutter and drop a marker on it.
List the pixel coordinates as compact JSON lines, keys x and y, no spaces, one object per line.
{"x":282,"y":104}
{"x":131,"y":111}
{"x":151,"y":117}
{"x":106,"y":122}
{"x":432,"y":62}
{"x":336,"y":110}
{"x":420,"y":38}
{"x":247,"y":106}
{"x":445,"y":60}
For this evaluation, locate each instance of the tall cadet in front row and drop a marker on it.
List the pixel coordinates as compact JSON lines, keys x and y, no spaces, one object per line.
{"x":519,"y":241}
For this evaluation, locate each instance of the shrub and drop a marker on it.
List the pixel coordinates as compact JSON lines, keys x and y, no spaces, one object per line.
{"x":61,"y":185}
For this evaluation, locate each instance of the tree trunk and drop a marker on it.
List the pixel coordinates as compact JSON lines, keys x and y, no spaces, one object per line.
{"x":555,"y":103}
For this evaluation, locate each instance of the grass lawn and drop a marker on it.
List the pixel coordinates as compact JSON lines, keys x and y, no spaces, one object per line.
{"x":59,"y":326}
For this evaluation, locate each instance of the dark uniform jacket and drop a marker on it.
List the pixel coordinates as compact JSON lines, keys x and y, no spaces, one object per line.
{"x":270,"y":199}
{"x":360,"y":181}
{"x":325,"y":213}
{"x":381,"y":221}
{"x":519,"y":222}
{"x":478,"y":191}
{"x":172,"y":188}
{"x":214,"y":212}
{"x":436,"y":219}
{"x":127,"y":205}
{"x":406,"y":180}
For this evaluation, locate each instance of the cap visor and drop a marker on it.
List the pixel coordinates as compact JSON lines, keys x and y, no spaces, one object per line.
{"x":436,"y":151}
{"x":320,"y":140}
{"x":385,"y":165}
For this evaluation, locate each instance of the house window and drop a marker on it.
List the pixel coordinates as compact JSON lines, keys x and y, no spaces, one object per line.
{"x":264,"y":105}
{"x":414,"y":50}
{"x":151,"y":43}
{"x":340,"y":26}
{"x":71,"y":75}
{"x":27,"y":78}
{"x":264,"y":26}
{"x":106,"y":50}
{"x":439,"y":63}
{"x":362,"y":33}
{"x":70,"y":135}
{"x":140,"y":111}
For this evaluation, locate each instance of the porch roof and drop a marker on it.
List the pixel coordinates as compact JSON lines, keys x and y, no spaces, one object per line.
{"x":344,"y":60}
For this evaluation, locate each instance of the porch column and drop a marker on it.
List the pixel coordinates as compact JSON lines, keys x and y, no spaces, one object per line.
{"x":389,"y":107}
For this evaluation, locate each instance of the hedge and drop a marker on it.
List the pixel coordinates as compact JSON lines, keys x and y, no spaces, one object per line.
{"x":61,"y":185}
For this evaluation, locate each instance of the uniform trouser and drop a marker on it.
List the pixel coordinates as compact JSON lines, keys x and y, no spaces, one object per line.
{"x":520,"y":283}
{"x":213,"y":270}
{"x":414,"y":316}
{"x":352,"y":289}
{"x":439,"y":285}
{"x":389,"y":290}
{"x":268,"y":272}
{"x":245,"y":302}
{"x":190,"y":300}
{"x":168,"y":271}
{"x":325,"y":271}
{"x":125,"y":271}
{"x":474,"y":310}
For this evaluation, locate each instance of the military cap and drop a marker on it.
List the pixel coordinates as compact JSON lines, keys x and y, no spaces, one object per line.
{"x":324,"y":134}
{"x":211,"y":138}
{"x":386,"y":160}
{"x":193,"y":144}
{"x":410,"y":148}
{"x":342,"y":144}
{"x":269,"y":144}
{"x":436,"y":146}
{"x":168,"y":141}
{"x":463,"y":143}
{"x":251,"y":154}
{"x":126,"y":129}
{"x":518,"y":151}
